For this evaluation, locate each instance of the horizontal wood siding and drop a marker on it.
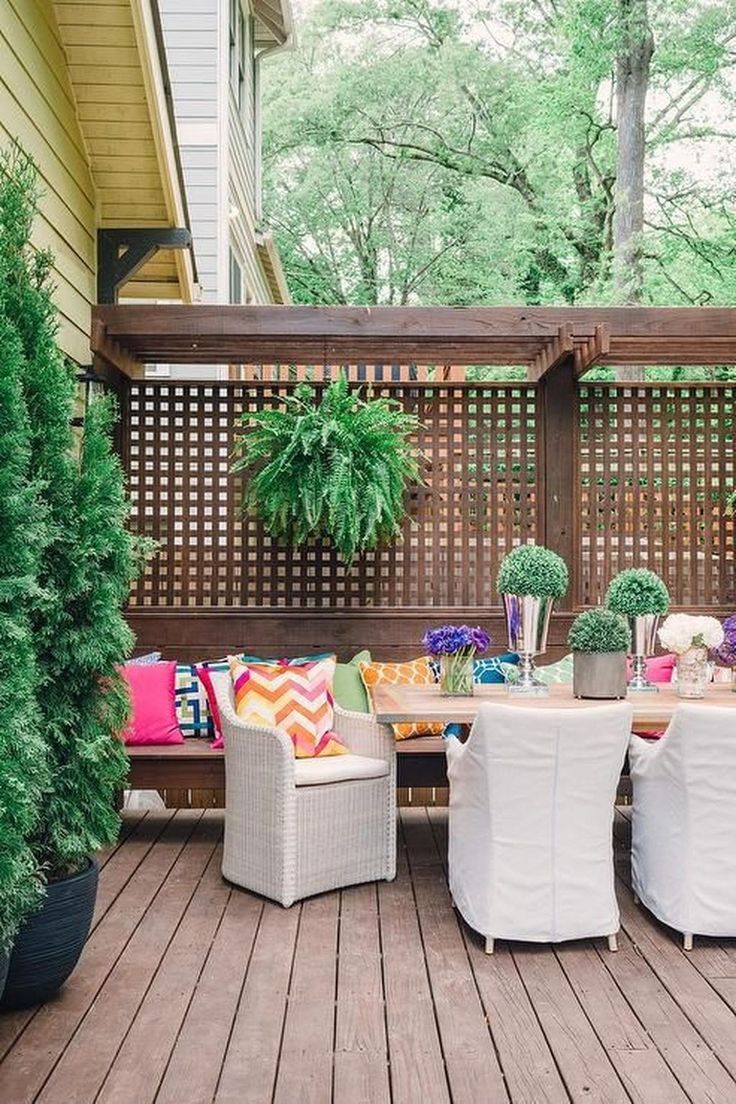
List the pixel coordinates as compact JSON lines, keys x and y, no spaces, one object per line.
{"x":241,"y":184}
{"x":191,"y":36}
{"x":37,"y":107}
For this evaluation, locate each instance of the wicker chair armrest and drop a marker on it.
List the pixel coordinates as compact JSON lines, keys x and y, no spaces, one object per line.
{"x":363,"y":735}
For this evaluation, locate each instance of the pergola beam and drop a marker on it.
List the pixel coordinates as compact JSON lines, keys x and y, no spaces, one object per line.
{"x":589,"y":352}
{"x":553,"y":352}
{"x":536,"y":337}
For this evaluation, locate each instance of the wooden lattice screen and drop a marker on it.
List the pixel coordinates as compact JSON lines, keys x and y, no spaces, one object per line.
{"x":656,"y":467}
{"x":479,"y":499}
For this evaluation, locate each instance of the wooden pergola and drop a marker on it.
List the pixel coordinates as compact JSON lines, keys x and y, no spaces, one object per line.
{"x":126,"y":337}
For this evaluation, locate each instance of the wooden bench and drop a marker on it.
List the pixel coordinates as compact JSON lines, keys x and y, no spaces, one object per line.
{"x":194,"y":765}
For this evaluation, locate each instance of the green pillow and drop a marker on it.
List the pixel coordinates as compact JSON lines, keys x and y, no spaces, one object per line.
{"x":560,"y":672}
{"x":348,"y":686}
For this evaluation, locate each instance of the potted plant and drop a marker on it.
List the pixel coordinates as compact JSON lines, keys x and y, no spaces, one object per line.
{"x":336,"y":469}
{"x":80,"y":637}
{"x":690,"y":638}
{"x":599,"y":640}
{"x":529,"y":580}
{"x":456,"y":647}
{"x":23,"y":774}
{"x":640,"y":596}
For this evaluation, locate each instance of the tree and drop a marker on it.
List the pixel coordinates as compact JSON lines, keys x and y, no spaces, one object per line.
{"x":633,"y":60}
{"x":86,"y":563}
{"x":23,"y":774}
{"x":520,"y":138}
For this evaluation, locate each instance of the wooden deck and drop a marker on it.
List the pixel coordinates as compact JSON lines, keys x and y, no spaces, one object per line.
{"x":191,"y":991}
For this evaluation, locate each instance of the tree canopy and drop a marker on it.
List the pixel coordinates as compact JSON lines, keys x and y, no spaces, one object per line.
{"x":427,"y":152}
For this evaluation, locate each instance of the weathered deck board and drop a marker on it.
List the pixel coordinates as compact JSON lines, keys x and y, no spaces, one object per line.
{"x":191,"y":991}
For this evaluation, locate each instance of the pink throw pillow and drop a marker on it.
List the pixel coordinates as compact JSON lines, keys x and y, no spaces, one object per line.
{"x":659,"y":668}
{"x":153,"y":719}
{"x":206,"y":679}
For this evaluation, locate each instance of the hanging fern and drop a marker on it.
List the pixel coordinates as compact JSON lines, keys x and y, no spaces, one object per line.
{"x":334,"y":469}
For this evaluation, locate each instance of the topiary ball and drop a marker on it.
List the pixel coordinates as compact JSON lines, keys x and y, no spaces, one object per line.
{"x":636,"y":592}
{"x":533,"y":571}
{"x":599,"y":630}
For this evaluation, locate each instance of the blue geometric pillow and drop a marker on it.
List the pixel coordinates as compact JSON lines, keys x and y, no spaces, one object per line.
{"x":145,"y":660}
{"x":485,"y":670}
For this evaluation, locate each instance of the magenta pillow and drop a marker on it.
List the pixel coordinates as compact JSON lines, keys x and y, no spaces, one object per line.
{"x":659,"y":668}
{"x":153,"y":719}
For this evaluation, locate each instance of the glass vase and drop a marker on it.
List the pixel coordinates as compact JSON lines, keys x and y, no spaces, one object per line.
{"x":456,"y":675}
{"x":692,"y":673}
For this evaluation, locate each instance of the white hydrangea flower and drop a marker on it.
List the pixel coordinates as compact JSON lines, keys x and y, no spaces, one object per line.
{"x":681,"y":631}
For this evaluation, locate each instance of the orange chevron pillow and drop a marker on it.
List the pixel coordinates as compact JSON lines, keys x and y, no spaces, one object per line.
{"x":298,"y":700}
{"x":417,"y":672}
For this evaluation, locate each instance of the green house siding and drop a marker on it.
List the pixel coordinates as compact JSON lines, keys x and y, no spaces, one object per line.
{"x":37,"y":107}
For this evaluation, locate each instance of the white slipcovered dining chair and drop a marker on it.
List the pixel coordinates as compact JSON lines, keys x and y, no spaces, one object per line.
{"x":683,"y":843}
{"x":532,"y":795}
{"x":296,"y":827}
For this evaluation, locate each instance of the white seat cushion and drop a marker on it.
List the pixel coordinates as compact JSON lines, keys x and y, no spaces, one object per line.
{"x":337,"y":768}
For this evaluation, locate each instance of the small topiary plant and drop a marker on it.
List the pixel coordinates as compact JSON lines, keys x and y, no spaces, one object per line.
{"x":599,"y":630}
{"x":636,"y":592}
{"x":534,"y":571}
{"x":336,"y":469}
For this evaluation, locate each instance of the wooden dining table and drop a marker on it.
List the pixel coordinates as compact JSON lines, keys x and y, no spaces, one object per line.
{"x":421,"y":759}
{"x":652,"y":709}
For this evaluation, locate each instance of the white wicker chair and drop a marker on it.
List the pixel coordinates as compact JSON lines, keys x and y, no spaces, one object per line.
{"x":291,"y":831}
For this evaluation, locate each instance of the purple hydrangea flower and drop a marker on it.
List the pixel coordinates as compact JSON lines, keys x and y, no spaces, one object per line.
{"x":450,"y":639}
{"x":725,"y":653}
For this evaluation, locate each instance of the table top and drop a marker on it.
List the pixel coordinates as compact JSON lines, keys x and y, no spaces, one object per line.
{"x":652,"y":710}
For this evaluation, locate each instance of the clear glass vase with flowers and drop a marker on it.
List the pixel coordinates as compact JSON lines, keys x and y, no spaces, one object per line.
{"x":724,"y":655}
{"x":455,"y":647}
{"x":691,"y":638}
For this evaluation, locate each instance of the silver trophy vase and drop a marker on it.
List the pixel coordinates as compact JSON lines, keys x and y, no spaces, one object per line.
{"x":527,"y":624}
{"x":643,"y":643}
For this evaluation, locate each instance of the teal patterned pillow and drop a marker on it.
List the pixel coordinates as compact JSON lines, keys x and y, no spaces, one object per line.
{"x":553,"y":673}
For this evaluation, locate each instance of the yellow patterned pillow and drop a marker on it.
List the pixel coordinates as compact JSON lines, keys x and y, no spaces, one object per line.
{"x":415,"y":673}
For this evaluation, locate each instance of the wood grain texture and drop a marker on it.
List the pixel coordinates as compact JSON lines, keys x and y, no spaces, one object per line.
{"x":410,"y":703}
{"x":370,"y":995}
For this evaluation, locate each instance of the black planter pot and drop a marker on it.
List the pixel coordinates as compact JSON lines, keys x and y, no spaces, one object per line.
{"x":48,"y":946}
{"x":4,"y":963}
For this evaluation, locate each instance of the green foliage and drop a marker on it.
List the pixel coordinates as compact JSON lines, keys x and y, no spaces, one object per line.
{"x":599,"y":630}
{"x":460,"y":154}
{"x":533,"y":570}
{"x":637,"y":591}
{"x":86,"y":563}
{"x":23,"y":768}
{"x":336,"y":469}
{"x":87,"y":702}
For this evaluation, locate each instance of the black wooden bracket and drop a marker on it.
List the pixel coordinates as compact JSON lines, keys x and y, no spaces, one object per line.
{"x":120,"y":253}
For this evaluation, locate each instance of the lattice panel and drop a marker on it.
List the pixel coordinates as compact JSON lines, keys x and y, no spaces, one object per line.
{"x":656,"y":466}
{"x":479,"y":499}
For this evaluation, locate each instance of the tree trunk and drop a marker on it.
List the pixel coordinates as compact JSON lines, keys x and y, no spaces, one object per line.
{"x":636,"y":46}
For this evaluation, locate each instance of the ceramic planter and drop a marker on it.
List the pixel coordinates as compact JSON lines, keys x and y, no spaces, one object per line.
{"x":599,"y":675}
{"x":527,"y":625}
{"x":48,"y":946}
{"x":4,"y":963}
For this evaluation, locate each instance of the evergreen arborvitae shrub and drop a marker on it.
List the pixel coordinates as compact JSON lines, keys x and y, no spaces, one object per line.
{"x":23,"y":776}
{"x":86,"y":566}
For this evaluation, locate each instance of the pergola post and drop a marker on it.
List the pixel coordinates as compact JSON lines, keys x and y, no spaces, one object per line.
{"x":557,"y":468}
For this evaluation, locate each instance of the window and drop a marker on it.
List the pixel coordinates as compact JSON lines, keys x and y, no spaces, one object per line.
{"x":243,"y":51}
{"x":241,"y":62}
{"x":236,"y":280}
